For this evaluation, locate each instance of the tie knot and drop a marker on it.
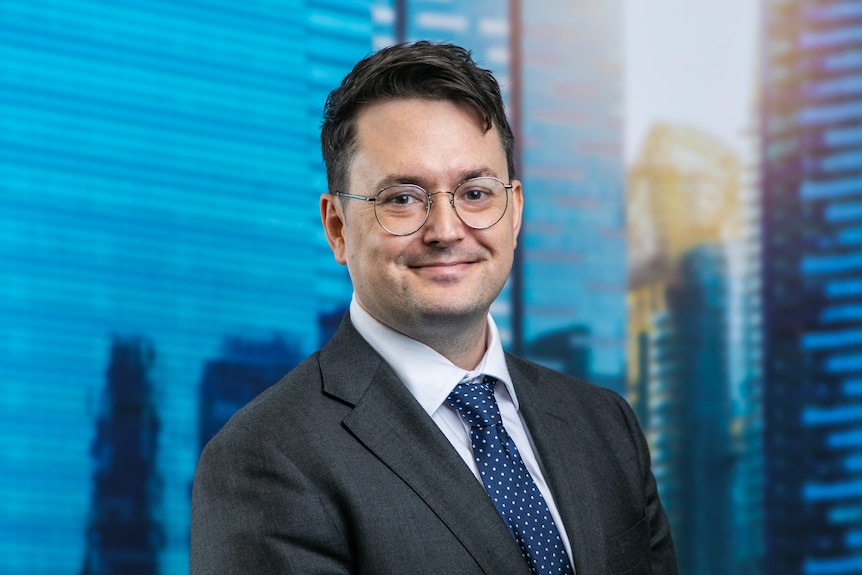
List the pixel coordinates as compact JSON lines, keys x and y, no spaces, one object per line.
{"x":475,"y":402}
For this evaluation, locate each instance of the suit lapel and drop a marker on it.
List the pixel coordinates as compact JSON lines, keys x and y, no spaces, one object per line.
{"x":564,"y":442}
{"x":390,"y":423}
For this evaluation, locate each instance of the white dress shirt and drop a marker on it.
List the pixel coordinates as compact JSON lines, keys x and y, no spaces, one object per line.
{"x":430,"y":377}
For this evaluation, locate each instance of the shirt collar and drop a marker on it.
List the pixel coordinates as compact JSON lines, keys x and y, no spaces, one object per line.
{"x":429,"y":376}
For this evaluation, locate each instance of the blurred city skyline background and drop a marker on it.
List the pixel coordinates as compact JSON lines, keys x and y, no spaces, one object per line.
{"x":691,"y":240}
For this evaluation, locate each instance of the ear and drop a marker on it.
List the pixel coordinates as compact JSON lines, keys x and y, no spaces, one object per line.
{"x":333,"y":225}
{"x":517,"y":208}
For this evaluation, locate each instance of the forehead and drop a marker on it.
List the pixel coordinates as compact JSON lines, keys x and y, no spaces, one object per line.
{"x":426,"y":137}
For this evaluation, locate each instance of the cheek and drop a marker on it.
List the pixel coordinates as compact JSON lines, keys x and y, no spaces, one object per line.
{"x":366,"y":257}
{"x":373,"y":255}
{"x":502,"y":242}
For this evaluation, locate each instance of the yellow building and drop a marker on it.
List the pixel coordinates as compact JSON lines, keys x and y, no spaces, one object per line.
{"x":682,"y":191}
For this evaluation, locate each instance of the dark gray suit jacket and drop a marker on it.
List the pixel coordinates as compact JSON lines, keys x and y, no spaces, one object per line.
{"x":337,"y":469}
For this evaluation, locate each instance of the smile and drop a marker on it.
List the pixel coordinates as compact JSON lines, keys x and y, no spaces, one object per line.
{"x":442,"y":271}
{"x":441,"y":264}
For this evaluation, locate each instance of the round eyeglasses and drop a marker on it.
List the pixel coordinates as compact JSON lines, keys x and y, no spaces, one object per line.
{"x":403,"y":209}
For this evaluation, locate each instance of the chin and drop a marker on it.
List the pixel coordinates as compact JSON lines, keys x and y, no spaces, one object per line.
{"x":452,"y":312}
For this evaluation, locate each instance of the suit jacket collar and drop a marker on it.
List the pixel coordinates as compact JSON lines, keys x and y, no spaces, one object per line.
{"x":564,"y":441}
{"x":390,"y":423}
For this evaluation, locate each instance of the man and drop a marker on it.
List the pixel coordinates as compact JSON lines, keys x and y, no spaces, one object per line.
{"x":411,"y":443}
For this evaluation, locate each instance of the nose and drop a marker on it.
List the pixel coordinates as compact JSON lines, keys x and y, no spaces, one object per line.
{"x":443,"y":225}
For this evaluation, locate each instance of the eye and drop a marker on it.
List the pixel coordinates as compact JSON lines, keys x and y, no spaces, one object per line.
{"x":402,"y":197}
{"x":474,"y":194}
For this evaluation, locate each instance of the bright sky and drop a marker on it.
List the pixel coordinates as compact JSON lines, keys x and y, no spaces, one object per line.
{"x":690,"y":62}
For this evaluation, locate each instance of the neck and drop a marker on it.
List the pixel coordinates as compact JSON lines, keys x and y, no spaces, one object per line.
{"x":464,"y":346}
{"x":462,"y":339}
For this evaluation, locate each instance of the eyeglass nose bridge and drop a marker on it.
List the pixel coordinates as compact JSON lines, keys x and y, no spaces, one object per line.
{"x":451,"y":199}
{"x":451,"y":203}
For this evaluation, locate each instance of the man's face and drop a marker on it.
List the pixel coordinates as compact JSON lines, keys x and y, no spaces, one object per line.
{"x":446,"y":273}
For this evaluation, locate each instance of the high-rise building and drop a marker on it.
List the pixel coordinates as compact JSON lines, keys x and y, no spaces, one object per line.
{"x":244,"y":368}
{"x":481,"y":26}
{"x":573,"y":241}
{"x":683,"y":191}
{"x":159,"y":173}
{"x":124,"y":534}
{"x":683,"y":211}
{"x":811,"y":177}
{"x":689,"y":411}
{"x":744,"y":365}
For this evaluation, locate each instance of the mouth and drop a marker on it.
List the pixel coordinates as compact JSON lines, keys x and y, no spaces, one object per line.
{"x":445,"y":265}
{"x":440,"y":265}
{"x":447,"y":272}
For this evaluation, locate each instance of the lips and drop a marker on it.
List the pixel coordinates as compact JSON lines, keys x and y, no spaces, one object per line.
{"x":440,"y":264}
{"x":441,"y":260}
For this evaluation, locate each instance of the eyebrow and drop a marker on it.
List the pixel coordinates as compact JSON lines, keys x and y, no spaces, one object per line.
{"x":395,"y":179}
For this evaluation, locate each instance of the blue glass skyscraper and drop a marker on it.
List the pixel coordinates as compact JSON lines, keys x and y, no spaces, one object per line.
{"x":159,"y":175}
{"x":124,"y":533}
{"x":689,"y":412}
{"x":574,"y":274}
{"x":811,"y":172}
{"x":244,"y":368}
{"x":745,"y":371}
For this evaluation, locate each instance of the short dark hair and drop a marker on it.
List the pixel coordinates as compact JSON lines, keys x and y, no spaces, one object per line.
{"x":427,"y":70}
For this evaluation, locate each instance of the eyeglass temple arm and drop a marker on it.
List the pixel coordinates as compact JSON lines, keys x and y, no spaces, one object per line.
{"x":352,"y":197}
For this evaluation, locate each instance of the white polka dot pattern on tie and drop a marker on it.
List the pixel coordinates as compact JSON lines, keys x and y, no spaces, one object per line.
{"x":507,"y":480}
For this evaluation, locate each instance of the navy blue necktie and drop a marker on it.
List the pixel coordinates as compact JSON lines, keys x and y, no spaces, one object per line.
{"x":507,"y":480}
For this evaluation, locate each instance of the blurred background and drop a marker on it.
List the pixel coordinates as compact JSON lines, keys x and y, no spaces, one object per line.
{"x":692,"y":239}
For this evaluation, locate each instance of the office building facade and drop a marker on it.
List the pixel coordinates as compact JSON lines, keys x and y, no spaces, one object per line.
{"x":811,"y":177}
{"x":124,"y":532}
{"x":159,"y":175}
{"x":683,"y":208}
{"x":573,"y":273}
